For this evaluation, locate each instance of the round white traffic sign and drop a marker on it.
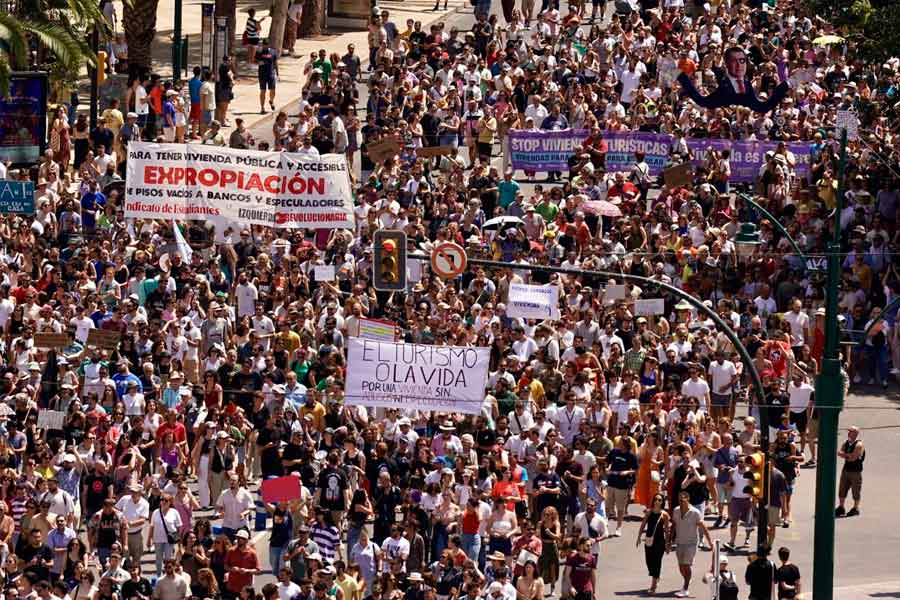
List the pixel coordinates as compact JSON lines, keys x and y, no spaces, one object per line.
{"x":448,"y":260}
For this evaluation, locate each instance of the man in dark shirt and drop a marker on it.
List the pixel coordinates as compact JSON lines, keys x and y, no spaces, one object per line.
{"x":137,"y":586}
{"x":96,"y":488}
{"x":247,"y":381}
{"x":333,"y":490}
{"x":267,"y":74}
{"x":759,"y":575}
{"x":622,"y":467}
{"x":580,"y":570}
{"x":36,"y":557}
{"x":546,"y":487}
{"x":787,"y":576}
{"x":269,"y":443}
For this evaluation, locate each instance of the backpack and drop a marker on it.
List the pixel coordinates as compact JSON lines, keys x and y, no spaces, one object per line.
{"x":728,"y":589}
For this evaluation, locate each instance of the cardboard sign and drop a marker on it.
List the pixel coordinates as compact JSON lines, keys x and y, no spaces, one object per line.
{"x":533,"y":301}
{"x":103,"y":338}
{"x":679,"y":175}
{"x":52,"y":340}
{"x":383,"y":149}
{"x":376,"y":329}
{"x":323,"y":273}
{"x":615,"y":292}
{"x":435,"y":151}
{"x":650,"y":307}
{"x":281,"y":489}
{"x":51,"y":419}
{"x":847,"y":119}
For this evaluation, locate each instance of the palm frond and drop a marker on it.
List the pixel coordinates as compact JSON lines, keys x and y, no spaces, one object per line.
{"x":68,"y":49}
{"x":13,"y":34}
{"x":5,"y":74}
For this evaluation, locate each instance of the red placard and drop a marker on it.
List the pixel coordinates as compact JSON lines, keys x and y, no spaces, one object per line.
{"x":281,"y":489}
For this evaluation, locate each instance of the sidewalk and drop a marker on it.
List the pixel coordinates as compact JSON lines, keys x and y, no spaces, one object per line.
{"x":246,"y":89}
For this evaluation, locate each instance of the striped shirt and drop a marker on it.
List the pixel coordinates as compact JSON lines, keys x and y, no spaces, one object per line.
{"x":327,"y":538}
{"x":252,"y":29}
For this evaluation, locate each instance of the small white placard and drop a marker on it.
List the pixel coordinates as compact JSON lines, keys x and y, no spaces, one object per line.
{"x":323,"y":272}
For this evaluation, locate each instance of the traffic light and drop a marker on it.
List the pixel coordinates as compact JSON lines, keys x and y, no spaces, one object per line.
{"x":389,"y":266}
{"x":755,"y":475}
{"x":101,"y":66}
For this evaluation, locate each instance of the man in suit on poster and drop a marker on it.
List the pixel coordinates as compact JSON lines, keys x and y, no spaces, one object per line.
{"x":735,"y":87}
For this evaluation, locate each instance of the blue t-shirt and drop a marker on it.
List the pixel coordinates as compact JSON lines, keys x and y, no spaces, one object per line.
{"x":94,"y":201}
{"x":168,"y":113}
{"x":194,"y":89}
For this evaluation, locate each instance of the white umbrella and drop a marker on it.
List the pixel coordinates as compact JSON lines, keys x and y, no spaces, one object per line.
{"x":604,"y":208}
{"x":498,"y":222}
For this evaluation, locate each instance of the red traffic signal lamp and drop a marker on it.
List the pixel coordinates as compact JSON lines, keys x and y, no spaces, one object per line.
{"x":389,"y":264}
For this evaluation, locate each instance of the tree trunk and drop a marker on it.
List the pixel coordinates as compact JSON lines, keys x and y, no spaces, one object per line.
{"x":139,"y":20}
{"x":276,"y":29}
{"x":313,"y":22}
{"x":228,"y":9}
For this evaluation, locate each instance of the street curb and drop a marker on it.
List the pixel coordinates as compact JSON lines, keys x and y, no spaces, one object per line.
{"x":270,"y":116}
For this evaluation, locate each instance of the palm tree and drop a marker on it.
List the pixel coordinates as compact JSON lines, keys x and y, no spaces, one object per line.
{"x":50,"y":34}
{"x":139,"y":18}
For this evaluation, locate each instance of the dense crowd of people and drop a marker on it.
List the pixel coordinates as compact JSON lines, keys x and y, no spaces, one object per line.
{"x":228,"y":362}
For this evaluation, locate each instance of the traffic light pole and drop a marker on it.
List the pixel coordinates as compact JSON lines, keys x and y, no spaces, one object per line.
{"x":829,"y":396}
{"x":176,"y":42}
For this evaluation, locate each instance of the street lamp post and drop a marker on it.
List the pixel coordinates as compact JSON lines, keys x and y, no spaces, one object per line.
{"x":830,"y":397}
{"x":747,"y":241}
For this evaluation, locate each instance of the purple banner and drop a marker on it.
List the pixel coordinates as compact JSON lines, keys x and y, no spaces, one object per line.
{"x":536,"y":150}
{"x":623,"y":145}
{"x":539,"y":150}
{"x":748,"y":156}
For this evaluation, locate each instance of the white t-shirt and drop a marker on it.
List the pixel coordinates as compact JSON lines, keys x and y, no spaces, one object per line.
{"x":133,"y":512}
{"x":594,"y":528}
{"x":799,"y":396}
{"x":698,"y":389}
{"x":141,"y":104}
{"x":233,"y":505}
{"x":394,"y":550}
{"x":82,"y":327}
{"x":799,"y":323}
{"x":720,"y":375}
{"x":172,"y":524}
{"x":246,"y":295}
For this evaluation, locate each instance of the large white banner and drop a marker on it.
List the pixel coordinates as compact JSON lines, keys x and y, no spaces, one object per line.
{"x":416,"y":376}
{"x":533,"y":301}
{"x":279,"y":189}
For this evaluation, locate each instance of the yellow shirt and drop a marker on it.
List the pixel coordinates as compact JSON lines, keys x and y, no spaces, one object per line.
{"x":318,"y":414}
{"x":291,"y":341}
{"x":350,"y":586}
{"x":486,"y":130}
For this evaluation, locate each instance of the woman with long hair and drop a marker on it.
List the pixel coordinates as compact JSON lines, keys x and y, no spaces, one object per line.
{"x":650,"y":457}
{"x":551,"y":533}
{"x":530,"y":585}
{"x":360,"y":511}
{"x":205,"y":585}
{"x":653,"y":532}
{"x":220,"y":549}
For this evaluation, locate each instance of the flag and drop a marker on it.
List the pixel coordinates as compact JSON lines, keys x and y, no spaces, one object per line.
{"x":183,"y":247}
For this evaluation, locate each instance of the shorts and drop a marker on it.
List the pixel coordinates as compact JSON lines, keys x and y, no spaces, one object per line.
{"x":196,"y":113}
{"x":207,"y":116}
{"x":484,"y":148}
{"x":723,"y":400}
{"x":685,"y":554}
{"x":800,"y":420}
{"x":266,"y":83}
{"x":774,"y":515}
{"x":739,"y":509}
{"x":617,"y":501}
{"x":169,"y":134}
{"x":850,"y":481}
{"x":725,"y":491}
{"x":499,"y":544}
{"x":812,"y":429}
